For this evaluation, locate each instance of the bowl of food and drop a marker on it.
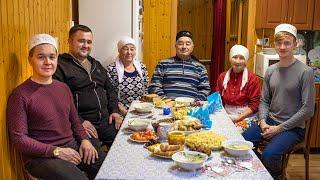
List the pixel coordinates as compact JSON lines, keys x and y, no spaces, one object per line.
{"x":143,"y":107}
{"x":138,"y":124}
{"x":187,"y":101}
{"x":237,"y":147}
{"x":189,"y":160}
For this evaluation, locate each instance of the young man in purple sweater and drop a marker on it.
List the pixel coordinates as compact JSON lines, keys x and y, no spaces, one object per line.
{"x":43,"y":122}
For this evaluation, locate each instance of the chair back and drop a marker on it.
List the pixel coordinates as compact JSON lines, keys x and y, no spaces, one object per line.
{"x":309,"y":129}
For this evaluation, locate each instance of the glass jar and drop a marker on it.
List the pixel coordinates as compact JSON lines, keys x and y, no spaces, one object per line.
{"x":176,"y":138}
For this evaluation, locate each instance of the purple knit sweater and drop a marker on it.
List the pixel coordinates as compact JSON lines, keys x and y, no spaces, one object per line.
{"x":42,"y":117}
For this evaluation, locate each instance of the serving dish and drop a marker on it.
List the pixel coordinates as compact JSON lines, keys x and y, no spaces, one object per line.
{"x":137,"y":141}
{"x":187,"y":101}
{"x":237,"y":147}
{"x":138,"y":124}
{"x":163,"y":150}
{"x":143,"y":107}
{"x":142,"y":137}
{"x":189,"y":160}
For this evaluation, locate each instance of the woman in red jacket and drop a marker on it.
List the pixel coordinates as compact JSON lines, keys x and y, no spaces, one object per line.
{"x":240,"y":89}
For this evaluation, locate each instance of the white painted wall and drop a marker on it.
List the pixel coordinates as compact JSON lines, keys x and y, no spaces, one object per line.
{"x":109,"y":20}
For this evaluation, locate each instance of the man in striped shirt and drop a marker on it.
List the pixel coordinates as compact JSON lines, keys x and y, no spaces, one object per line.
{"x":182,"y":75}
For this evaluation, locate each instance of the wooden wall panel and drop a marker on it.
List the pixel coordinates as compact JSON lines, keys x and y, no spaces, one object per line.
{"x":19,"y":20}
{"x":197,"y":17}
{"x":159,"y":27}
{"x":248,"y":34}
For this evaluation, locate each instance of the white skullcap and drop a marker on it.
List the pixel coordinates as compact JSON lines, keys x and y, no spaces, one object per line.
{"x":124,"y":41}
{"x":239,"y":50}
{"x":42,"y":39}
{"x":286,"y":28}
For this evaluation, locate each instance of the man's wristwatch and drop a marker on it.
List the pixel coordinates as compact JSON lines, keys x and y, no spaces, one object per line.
{"x":56,"y":151}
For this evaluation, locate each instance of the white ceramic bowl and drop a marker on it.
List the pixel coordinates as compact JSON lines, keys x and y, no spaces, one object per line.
{"x":143,"y":107}
{"x":138,"y":124}
{"x":189,"y":160}
{"x":237,"y":147}
{"x":185,"y":100}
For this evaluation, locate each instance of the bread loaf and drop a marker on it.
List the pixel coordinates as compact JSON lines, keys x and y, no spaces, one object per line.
{"x":148,"y":97}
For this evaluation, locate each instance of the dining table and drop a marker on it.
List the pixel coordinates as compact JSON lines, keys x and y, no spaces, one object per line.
{"x":127,"y":159}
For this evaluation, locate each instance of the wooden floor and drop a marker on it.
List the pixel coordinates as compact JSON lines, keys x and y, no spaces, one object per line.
{"x":296,"y":168}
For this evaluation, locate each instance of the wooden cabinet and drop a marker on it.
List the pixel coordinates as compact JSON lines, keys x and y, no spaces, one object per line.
{"x":316,"y":16}
{"x":270,"y":13}
{"x":315,"y":137}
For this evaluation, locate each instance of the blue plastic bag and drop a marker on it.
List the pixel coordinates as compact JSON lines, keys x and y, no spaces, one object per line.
{"x":214,"y":102}
{"x":203,"y":115}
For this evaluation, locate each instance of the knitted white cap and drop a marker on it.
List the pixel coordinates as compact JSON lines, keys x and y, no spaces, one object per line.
{"x":286,"y":28}
{"x":124,"y":41}
{"x":42,"y":39}
{"x":239,"y":50}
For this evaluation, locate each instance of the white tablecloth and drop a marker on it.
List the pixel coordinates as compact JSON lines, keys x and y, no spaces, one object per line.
{"x":129,"y":160}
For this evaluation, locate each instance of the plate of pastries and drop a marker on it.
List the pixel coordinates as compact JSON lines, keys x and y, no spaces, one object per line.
{"x":163,"y":102}
{"x":187,"y":125}
{"x":163,"y":150}
{"x":149,"y":97}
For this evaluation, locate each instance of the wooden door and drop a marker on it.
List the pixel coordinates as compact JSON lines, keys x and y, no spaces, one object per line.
{"x":300,"y":14}
{"x":316,"y":16}
{"x":270,"y":13}
{"x":159,"y":27}
{"x":197,"y":17}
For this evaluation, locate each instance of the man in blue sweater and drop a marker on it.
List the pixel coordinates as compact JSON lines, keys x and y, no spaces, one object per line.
{"x":182,"y":75}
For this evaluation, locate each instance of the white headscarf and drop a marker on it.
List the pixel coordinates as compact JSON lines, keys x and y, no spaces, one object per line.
{"x":119,"y":65}
{"x":237,"y":50}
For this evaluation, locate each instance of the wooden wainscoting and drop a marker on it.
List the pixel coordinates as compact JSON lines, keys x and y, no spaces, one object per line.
{"x":159,"y":27}
{"x":20,"y":19}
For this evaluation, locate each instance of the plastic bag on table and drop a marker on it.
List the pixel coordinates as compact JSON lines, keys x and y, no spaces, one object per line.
{"x":201,"y":113}
{"x":214,"y":102}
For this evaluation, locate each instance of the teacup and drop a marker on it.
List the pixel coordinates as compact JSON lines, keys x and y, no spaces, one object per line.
{"x":163,"y":130}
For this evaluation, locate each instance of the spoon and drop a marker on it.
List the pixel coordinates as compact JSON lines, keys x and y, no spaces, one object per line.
{"x":232,"y":162}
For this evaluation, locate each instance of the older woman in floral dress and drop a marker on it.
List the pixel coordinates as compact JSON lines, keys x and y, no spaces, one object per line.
{"x":128,"y":75}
